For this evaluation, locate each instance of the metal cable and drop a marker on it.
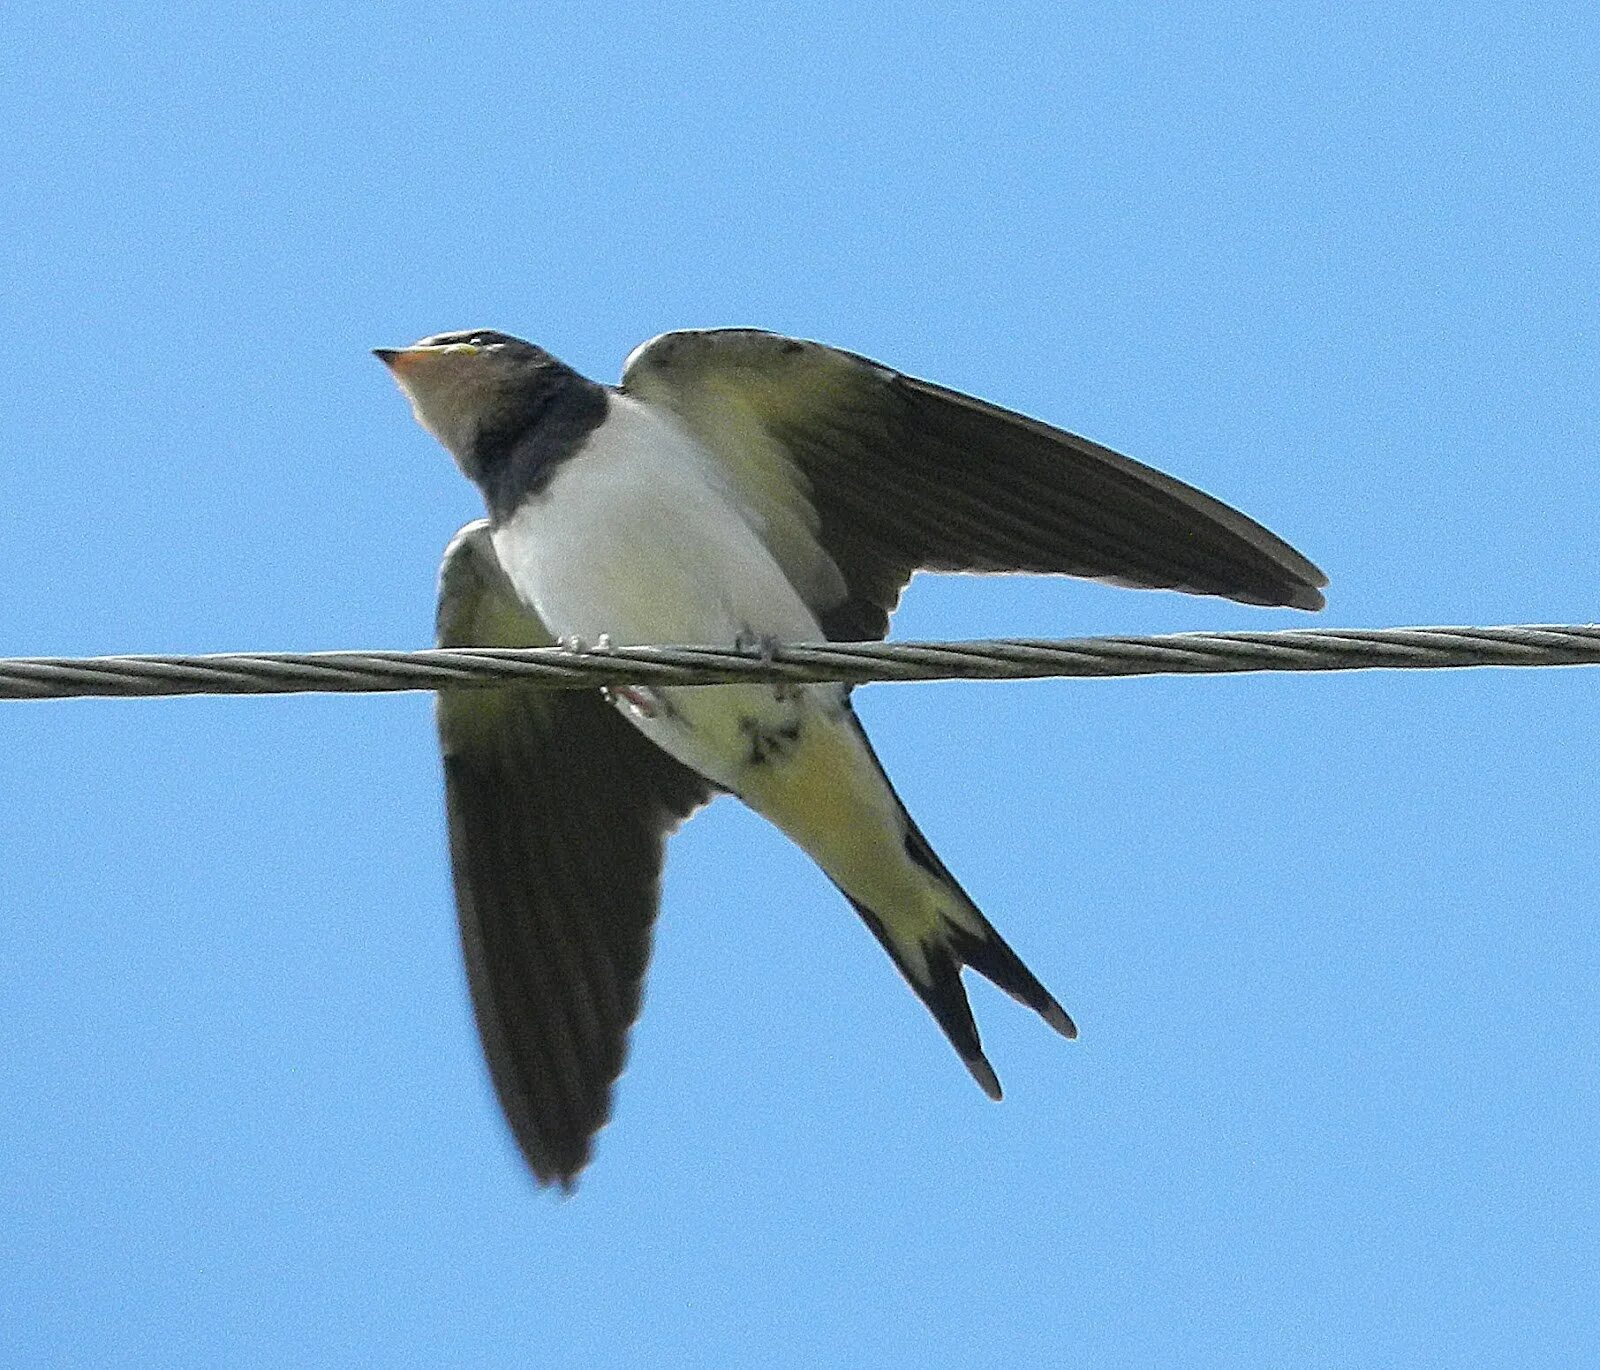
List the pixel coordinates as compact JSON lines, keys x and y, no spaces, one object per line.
{"x":1325,"y":649}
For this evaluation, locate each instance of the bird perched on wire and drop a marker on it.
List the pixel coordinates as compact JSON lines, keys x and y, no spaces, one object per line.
{"x":736,"y":487}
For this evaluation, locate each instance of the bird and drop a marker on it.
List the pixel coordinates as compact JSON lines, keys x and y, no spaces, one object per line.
{"x":736,"y":487}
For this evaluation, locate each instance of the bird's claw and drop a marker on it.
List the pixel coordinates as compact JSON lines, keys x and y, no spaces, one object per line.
{"x":571,"y":642}
{"x":765,"y":646}
{"x":636,"y":699}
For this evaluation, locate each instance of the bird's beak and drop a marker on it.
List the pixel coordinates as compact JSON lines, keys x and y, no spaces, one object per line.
{"x":397,"y":359}
{"x":402,"y":359}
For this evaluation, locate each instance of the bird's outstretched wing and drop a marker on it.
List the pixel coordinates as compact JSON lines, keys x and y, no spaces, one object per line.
{"x":558,"y":813}
{"x":887,"y":474}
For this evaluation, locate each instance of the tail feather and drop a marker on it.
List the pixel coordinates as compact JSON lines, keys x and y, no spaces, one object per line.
{"x":933,"y":970}
{"x":962,"y":936}
{"x":986,"y":951}
{"x":937,"y":982}
{"x":993,"y":959}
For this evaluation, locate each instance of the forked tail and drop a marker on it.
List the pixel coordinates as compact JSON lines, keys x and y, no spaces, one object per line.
{"x":961,"y":936}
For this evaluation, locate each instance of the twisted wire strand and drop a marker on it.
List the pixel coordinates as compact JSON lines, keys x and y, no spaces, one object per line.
{"x":1322,"y":649}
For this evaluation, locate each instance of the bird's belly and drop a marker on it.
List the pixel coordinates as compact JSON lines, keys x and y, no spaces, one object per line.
{"x":797,"y":758}
{"x":630,"y":542}
{"x":633,"y":541}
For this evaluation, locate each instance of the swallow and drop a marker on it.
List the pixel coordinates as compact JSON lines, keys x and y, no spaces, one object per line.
{"x":736,"y":487}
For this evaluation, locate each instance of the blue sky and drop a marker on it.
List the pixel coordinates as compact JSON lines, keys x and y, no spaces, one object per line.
{"x":1332,"y":942}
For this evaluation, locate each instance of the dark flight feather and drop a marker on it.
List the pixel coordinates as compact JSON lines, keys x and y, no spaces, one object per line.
{"x":558,"y":812}
{"x":903,"y":475}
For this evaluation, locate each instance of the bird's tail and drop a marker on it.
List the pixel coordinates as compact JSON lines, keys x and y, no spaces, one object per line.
{"x":959,"y":936}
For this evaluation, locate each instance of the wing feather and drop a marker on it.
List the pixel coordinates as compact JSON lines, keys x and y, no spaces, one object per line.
{"x":885,"y":474}
{"x":558,"y":813}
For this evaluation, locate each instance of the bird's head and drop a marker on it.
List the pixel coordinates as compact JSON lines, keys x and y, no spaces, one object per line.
{"x":476,"y":389}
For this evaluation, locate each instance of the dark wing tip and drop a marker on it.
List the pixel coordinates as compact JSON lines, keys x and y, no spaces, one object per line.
{"x":556,"y":1160}
{"x":566,"y":1181}
{"x":1308,"y":597}
{"x":1299,"y":580}
{"x":1280,"y":593}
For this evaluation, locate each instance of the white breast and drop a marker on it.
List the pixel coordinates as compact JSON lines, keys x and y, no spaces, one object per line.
{"x":636,"y":537}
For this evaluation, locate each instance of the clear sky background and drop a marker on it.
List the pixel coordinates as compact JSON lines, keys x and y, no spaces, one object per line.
{"x":1332,"y":942}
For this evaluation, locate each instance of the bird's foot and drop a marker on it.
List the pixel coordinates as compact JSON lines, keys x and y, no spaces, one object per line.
{"x":765,"y":646}
{"x":571,"y":642}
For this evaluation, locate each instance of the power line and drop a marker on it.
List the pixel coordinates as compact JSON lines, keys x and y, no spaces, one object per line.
{"x":1324,"y":649}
